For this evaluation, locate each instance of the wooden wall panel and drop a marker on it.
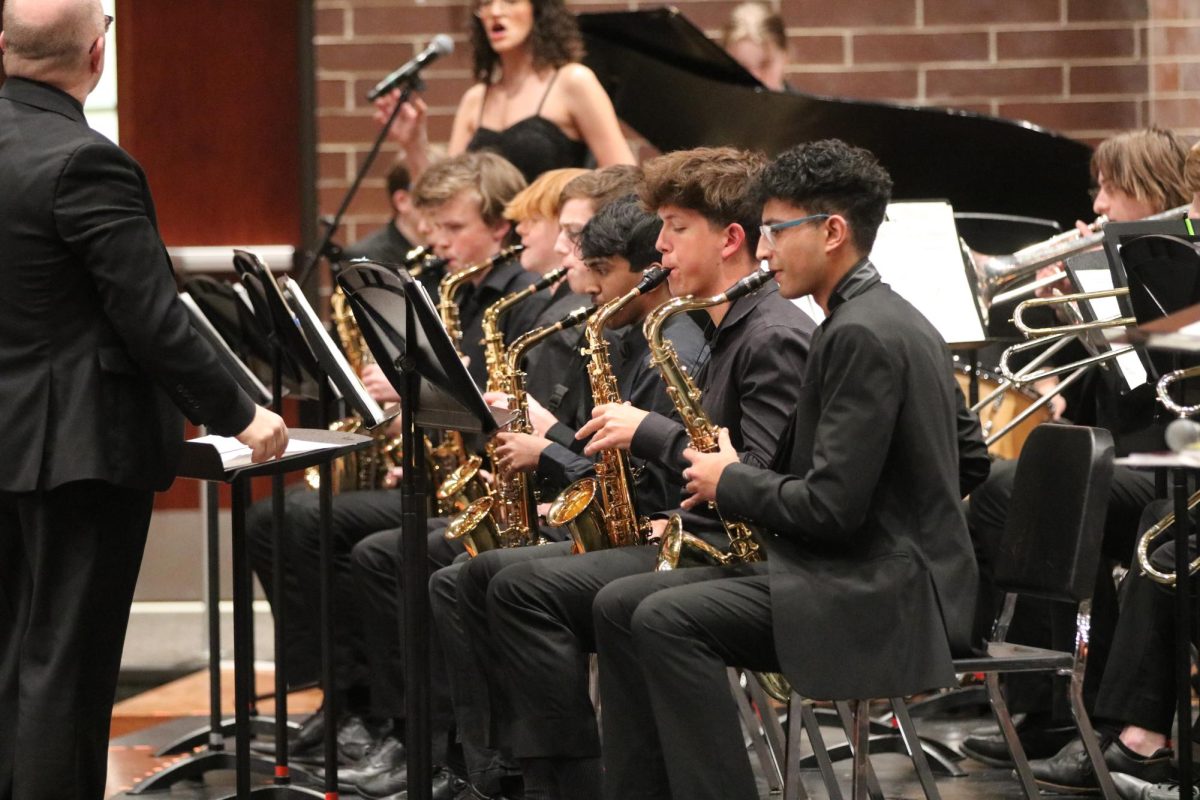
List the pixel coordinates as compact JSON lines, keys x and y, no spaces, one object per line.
{"x":209,"y":98}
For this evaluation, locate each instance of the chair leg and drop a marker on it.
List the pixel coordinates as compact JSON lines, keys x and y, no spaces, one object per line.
{"x":802,"y":713}
{"x":1091,"y":742}
{"x":858,"y":739}
{"x":1004,"y":720}
{"x":772,"y":728}
{"x":754,"y":729}
{"x":848,"y":725}
{"x":916,"y":750}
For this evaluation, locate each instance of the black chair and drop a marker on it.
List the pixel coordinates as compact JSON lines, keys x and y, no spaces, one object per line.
{"x":1051,"y":550}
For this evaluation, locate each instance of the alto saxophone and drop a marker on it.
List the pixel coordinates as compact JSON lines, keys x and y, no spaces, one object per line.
{"x":613,"y":520}
{"x":514,"y":511}
{"x":460,"y":486}
{"x":476,"y":526}
{"x":679,"y":548}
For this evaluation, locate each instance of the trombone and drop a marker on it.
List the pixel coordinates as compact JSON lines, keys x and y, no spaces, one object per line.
{"x":1057,"y":337}
{"x":1182,"y":434}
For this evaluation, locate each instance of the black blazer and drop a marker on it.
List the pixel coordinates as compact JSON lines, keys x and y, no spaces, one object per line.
{"x":97,"y":354}
{"x":873,"y":578}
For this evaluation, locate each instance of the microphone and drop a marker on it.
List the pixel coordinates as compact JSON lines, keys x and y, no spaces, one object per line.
{"x":442,"y":45}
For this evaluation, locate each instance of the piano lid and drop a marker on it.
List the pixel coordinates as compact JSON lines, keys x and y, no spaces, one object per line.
{"x":679,"y":90}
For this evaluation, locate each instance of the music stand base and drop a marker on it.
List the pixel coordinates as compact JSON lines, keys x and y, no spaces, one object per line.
{"x":194,"y":767}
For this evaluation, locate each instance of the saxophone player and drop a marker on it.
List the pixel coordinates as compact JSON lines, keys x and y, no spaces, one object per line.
{"x":870,"y":575}
{"x":464,"y":199}
{"x":373,"y":558}
{"x":540,"y":611}
{"x":620,"y":239}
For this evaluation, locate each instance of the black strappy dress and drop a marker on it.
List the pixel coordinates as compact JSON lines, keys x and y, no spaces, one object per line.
{"x":534,"y":145}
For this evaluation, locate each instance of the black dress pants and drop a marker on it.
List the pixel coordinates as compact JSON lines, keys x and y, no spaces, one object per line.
{"x":355,"y":516}
{"x":376,"y":563}
{"x":485,"y":712}
{"x":69,"y":560}
{"x":541,"y":615}
{"x":1138,"y":687}
{"x":1047,"y":624}
{"x":671,"y":727}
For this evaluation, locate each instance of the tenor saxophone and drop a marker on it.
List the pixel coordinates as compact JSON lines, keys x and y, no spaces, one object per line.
{"x":679,"y":548}
{"x":476,"y":526}
{"x":600,"y":512}
{"x":450,"y":284}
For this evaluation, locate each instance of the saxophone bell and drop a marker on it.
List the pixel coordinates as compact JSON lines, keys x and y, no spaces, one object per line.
{"x":476,"y":527}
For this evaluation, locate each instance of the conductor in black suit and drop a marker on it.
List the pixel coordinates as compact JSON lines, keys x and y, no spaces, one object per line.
{"x":867,"y":588}
{"x":97,"y":358}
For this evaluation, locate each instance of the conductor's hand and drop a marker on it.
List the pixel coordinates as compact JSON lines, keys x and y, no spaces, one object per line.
{"x":266,"y":435}
{"x":377,"y":385}
{"x":705,"y":472}
{"x":612,"y":426}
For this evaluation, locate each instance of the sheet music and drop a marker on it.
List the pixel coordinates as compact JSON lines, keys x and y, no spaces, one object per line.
{"x":918,"y":254}
{"x":1096,"y":280}
{"x":235,"y":454}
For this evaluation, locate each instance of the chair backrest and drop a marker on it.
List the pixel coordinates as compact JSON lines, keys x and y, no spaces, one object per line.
{"x":1051,"y":546}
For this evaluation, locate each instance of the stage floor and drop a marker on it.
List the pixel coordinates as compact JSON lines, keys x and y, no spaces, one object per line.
{"x":132,"y":758}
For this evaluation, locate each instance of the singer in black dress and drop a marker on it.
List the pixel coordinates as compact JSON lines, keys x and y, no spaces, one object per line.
{"x":534,"y":103}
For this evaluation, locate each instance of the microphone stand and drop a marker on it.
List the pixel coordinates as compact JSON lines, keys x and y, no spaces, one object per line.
{"x":326,"y":248}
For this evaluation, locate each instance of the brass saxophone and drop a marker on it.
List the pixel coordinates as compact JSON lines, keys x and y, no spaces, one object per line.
{"x":476,"y":526}
{"x":613,"y":520}
{"x":368,"y":468}
{"x":449,"y":286}
{"x":677,"y":547}
{"x":461,"y":485}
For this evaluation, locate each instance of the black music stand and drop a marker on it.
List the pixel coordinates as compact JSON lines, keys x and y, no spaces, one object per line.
{"x":404,"y":333}
{"x":1160,"y":264}
{"x":202,"y":460}
{"x":217,"y":729}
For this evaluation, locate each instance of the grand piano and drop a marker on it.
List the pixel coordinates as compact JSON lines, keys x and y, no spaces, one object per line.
{"x":679,"y":89}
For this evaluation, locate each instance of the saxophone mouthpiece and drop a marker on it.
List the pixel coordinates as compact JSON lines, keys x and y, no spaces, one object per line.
{"x":748,"y":284}
{"x":506,"y":254}
{"x":577,"y":316}
{"x":652,"y":278}
{"x":550,"y":278}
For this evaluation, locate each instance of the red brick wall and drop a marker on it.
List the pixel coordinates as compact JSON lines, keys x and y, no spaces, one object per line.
{"x":1087,"y":68}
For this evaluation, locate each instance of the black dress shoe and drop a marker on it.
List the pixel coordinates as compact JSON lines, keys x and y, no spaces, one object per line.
{"x":310,"y":735}
{"x":1131,"y":788}
{"x":1070,"y":770}
{"x":384,"y":784}
{"x":1039,"y":738}
{"x":354,"y":738}
{"x":387,"y":754}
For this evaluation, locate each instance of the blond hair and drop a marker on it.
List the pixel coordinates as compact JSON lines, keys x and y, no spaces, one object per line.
{"x":491,"y":178}
{"x":1191,"y":170}
{"x":1145,"y":164}
{"x":757,"y":22}
{"x":542,"y":198}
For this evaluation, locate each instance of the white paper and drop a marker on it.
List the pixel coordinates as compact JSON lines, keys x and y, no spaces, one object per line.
{"x":918,"y":253}
{"x":235,"y":454}
{"x":1188,"y":458}
{"x":1102,"y":308}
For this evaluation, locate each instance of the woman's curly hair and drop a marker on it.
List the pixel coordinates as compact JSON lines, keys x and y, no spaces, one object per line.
{"x":555,"y":40}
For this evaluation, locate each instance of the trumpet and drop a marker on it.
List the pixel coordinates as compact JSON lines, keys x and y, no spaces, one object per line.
{"x":1182,"y":434}
{"x":996,"y":272}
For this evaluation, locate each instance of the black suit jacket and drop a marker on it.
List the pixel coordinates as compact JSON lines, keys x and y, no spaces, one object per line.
{"x":97,"y":354}
{"x":873,"y":579}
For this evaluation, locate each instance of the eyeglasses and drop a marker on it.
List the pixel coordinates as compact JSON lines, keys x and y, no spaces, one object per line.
{"x":768,"y":231}
{"x":484,"y":7}
{"x":108,"y":21}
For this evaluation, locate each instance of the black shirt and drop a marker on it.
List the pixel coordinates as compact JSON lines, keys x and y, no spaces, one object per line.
{"x":549,"y":366}
{"x":749,"y":384}
{"x":388,"y":245}
{"x":504,"y":278}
